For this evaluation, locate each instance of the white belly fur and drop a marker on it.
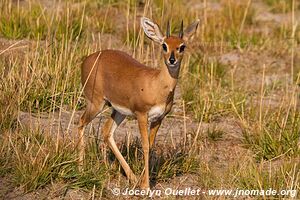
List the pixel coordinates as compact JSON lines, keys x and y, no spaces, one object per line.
{"x":121,"y":109}
{"x":154,"y":113}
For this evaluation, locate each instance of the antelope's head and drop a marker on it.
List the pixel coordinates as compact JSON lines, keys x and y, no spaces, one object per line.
{"x":173,"y":47}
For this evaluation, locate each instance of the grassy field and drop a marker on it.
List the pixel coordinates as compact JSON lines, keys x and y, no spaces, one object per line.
{"x":237,"y":108}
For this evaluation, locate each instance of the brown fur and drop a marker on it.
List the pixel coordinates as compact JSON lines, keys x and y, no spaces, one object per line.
{"x":142,"y":86}
{"x":173,"y":44}
{"x":114,"y":77}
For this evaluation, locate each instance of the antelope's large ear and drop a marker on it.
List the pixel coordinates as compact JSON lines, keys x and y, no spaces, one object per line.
{"x":152,"y":30}
{"x":190,"y":30}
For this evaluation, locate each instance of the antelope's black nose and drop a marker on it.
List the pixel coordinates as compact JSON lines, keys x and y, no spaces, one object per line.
{"x":172,"y":58}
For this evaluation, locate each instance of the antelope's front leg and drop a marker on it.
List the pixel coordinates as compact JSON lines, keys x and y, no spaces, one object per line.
{"x":154,"y":126}
{"x":143,"y":126}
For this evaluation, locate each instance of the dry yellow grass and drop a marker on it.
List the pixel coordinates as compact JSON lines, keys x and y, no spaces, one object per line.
{"x":238,"y":104}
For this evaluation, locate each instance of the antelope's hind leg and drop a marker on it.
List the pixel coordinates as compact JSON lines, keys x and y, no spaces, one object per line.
{"x":108,"y":133}
{"x":91,"y":111}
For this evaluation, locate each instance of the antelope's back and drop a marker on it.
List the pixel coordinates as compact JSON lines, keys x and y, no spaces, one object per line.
{"x":114,"y":75}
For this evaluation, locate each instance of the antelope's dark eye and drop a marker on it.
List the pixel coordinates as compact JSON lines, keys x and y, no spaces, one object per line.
{"x":164,"y":46}
{"x":181,"y":49}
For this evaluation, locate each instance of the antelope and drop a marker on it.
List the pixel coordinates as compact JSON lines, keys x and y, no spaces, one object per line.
{"x":114,"y":78}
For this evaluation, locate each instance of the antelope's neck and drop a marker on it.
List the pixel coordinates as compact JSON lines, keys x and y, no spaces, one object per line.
{"x":168,"y":77}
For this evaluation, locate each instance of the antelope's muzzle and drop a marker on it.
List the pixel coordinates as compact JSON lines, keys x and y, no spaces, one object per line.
{"x":172,"y":59}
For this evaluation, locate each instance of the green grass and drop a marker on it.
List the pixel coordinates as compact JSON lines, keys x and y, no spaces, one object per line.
{"x":276,"y":139}
{"x":19,"y":23}
{"x":282,"y":176}
{"x":215,"y":134}
{"x":163,"y":165}
{"x":282,"y":6}
{"x":206,"y":83}
{"x":36,"y":160}
{"x":34,"y":23}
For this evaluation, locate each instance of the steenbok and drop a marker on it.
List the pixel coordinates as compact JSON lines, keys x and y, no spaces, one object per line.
{"x":114,"y":78}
